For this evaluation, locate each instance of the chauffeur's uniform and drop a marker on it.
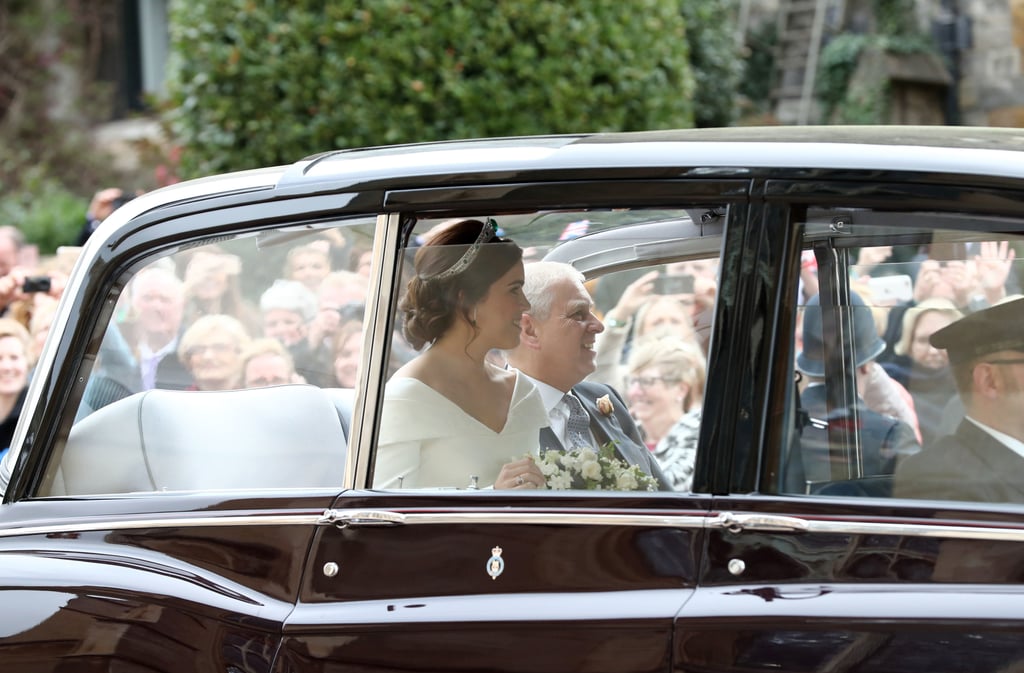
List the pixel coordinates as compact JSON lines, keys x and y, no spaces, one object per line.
{"x":975,"y":463}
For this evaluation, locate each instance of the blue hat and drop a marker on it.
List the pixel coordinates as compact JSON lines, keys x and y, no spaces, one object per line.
{"x":867,"y":345}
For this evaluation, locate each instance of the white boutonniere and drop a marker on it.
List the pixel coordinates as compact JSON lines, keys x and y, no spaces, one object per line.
{"x":604,"y":405}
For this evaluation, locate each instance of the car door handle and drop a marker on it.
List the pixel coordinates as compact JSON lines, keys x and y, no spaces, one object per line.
{"x":736,"y":523}
{"x":376,"y":517}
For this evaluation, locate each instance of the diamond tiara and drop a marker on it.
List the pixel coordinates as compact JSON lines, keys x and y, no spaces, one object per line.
{"x":462,"y":263}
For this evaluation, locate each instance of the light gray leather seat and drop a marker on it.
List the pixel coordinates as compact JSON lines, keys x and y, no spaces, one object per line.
{"x":292,"y":436}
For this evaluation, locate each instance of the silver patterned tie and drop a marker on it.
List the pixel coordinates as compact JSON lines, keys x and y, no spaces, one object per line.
{"x":577,"y":428}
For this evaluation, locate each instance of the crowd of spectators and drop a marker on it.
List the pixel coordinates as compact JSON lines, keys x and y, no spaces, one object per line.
{"x":196,"y":321}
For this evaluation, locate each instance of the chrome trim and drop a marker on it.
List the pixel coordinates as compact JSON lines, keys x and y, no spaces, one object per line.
{"x":916,"y":530}
{"x":727,"y":521}
{"x":171,"y":522}
{"x":376,"y":336}
{"x":345,"y":518}
{"x":743,"y":523}
{"x":735,"y":523}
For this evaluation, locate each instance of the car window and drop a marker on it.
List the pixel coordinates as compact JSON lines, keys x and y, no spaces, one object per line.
{"x":550,"y":351}
{"x":896,"y":327}
{"x":229,"y":363}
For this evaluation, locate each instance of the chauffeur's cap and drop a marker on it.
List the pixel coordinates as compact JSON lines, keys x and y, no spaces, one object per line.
{"x":993,"y":329}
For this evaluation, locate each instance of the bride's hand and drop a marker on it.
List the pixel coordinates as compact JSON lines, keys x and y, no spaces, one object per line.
{"x":520,"y":474}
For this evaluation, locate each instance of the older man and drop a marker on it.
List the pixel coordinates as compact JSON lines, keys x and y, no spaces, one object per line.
{"x":983,"y":460}
{"x":556,"y":351}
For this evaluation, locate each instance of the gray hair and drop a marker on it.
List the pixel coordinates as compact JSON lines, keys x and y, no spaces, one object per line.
{"x":289,"y":295}
{"x":540,"y":278}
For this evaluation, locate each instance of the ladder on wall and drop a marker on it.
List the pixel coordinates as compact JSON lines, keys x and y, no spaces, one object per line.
{"x":801,"y":27}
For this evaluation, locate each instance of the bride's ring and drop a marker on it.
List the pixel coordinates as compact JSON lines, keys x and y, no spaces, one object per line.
{"x":520,"y":481}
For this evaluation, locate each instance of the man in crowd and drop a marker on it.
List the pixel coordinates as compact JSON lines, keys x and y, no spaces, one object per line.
{"x":876,"y":412}
{"x":556,"y":351}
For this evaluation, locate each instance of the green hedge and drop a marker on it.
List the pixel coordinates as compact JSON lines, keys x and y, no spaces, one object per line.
{"x":258,"y":82}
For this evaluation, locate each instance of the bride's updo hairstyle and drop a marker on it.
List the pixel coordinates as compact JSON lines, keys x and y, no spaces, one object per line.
{"x":454,"y":269}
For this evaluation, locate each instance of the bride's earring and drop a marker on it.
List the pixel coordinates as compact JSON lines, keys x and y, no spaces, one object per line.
{"x":472,"y":320}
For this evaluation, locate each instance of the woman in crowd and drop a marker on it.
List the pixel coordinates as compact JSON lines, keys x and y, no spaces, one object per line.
{"x":923,"y":369}
{"x":212,"y":288}
{"x":665,"y":394}
{"x":640,"y":312}
{"x":14,"y":369}
{"x":450,"y":417}
{"x":211,"y":349}
{"x":265,"y":362}
{"x":348,"y":346}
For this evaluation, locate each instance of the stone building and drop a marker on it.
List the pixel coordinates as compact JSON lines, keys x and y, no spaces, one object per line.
{"x":977,"y":80}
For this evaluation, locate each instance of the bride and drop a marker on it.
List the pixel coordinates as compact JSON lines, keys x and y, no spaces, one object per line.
{"x":452,"y":418}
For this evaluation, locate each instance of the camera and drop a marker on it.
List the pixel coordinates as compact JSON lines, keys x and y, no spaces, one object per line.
{"x":682,"y":284}
{"x":36,"y":284}
{"x":125,"y":197}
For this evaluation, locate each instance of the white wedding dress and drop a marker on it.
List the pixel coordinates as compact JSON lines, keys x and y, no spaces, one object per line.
{"x":428,"y":441}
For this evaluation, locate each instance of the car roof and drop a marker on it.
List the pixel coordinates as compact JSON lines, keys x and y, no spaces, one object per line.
{"x":714,"y":153}
{"x":946,"y":149}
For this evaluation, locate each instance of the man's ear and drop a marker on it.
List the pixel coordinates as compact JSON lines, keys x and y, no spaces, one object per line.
{"x":986,"y":383}
{"x":528,"y":332}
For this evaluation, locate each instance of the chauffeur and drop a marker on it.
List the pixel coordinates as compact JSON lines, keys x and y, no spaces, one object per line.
{"x":984,"y":459}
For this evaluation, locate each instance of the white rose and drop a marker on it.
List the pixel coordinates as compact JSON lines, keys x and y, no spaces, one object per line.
{"x":626,"y":482}
{"x":547,"y":469}
{"x":591,"y":469}
{"x":587,"y":455}
{"x":559,"y":482}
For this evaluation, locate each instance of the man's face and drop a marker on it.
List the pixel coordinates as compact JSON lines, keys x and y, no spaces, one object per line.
{"x":158,"y":302}
{"x":566,"y":337}
{"x":268,"y":369}
{"x":8,"y":255}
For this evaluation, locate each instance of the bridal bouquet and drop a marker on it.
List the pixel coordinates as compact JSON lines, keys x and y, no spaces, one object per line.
{"x":587,"y":469}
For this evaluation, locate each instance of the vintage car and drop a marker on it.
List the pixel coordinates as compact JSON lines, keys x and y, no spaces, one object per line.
{"x":155,"y":521}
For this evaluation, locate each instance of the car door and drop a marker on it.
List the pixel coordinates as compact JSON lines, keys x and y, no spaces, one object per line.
{"x":464,"y":576}
{"x":815,"y":562}
{"x":165,"y":527}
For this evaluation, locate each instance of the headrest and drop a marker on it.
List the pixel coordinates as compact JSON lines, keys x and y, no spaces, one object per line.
{"x":292,"y":436}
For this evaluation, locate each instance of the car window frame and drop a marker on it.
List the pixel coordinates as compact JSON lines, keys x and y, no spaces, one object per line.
{"x":467,"y":201}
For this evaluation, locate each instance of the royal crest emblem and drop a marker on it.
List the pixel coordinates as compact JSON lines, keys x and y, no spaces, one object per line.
{"x":495,"y":564}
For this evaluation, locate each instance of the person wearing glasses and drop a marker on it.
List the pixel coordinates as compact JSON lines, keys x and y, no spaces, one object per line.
{"x":211,"y":350}
{"x":983,"y":460}
{"x":665,"y":393}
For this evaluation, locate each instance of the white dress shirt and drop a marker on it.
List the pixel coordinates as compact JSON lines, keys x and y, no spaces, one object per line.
{"x":558,"y":412}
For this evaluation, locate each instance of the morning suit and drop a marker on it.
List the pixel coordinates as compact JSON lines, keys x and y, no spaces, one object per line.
{"x":617,"y":426}
{"x":970,"y":464}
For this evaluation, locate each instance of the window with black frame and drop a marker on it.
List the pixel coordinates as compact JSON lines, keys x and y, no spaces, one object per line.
{"x":226,"y":364}
{"x":552,"y":351}
{"x":909,"y":359}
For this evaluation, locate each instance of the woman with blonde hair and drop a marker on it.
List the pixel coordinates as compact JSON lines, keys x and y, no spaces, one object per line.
{"x":923,"y":369}
{"x":15,"y":363}
{"x":666,"y":395}
{"x":211,"y":351}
